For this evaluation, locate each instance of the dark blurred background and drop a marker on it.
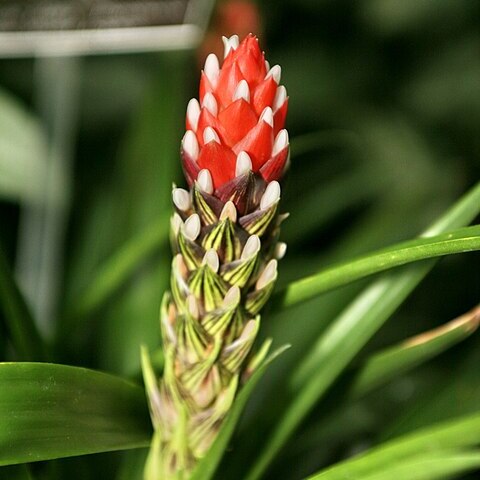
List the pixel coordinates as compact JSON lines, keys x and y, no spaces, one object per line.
{"x":384,"y":122}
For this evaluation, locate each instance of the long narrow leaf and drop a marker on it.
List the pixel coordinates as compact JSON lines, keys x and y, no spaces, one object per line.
{"x":351,"y":331}
{"x":458,"y":395}
{"x":460,"y":433}
{"x":50,"y":411}
{"x":120,"y":266}
{"x":389,"y":363}
{"x":462,"y":240}
{"x":437,"y":466}
{"x":20,"y":326}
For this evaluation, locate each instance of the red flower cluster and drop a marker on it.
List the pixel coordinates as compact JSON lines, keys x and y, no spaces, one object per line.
{"x":238,"y":125}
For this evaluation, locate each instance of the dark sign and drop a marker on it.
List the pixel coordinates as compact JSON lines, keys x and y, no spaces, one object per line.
{"x":41,"y":15}
{"x":90,"y":27}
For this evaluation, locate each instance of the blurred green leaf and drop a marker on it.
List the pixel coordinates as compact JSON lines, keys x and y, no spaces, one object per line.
{"x":50,"y":411}
{"x":207,"y":466}
{"x":336,"y":196}
{"x":132,"y":465}
{"x":457,"y":395}
{"x":310,"y":142}
{"x":15,"y":472}
{"x":152,"y":145}
{"x":428,"y":466}
{"x":392,"y":17}
{"x":352,"y":329}
{"x":19,"y":323}
{"x":120,"y":266}
{"x":438,"y":440}
{"x":23,"y":152}
{"x":462,"y":240}
{"x":384,"y":365}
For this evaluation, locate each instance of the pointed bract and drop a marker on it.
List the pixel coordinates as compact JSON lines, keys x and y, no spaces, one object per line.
{"x":224,"y":234}
{"x":237,"y":99}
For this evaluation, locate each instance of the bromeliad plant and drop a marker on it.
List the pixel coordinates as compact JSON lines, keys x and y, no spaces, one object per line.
{"x":224,"y":234}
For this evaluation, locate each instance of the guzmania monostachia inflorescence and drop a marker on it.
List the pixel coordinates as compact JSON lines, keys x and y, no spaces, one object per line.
{"x":224,"y":235}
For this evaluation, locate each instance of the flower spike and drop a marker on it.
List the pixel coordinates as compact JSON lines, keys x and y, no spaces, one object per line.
{"x":224,"y":233}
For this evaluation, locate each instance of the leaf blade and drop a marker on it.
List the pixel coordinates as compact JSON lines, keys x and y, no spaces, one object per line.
{"x":384,"y":365}
{"x":25,"y":337}
{"x":424,"y":467}
{"x":118,"y":268}
{"x":463,"y":432}
{"x":462,"y":240}
{"x":353,"y":328}
{"x":51,"y":411}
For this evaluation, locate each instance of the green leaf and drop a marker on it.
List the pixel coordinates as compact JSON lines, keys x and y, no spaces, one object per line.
{"x":207,"y":466}
{"x":15,"y":472}
{"x":462,"y":240}
{"x":429,"y":466}
{"x":50,"y":411}
{"x":132,"y":465}
{"x":311,"y":142}
{"x":21,"y":328}
{"x":352,"y":329}
{"x":457,"y":395}
{"x":336,"y":196}
{"x":387,"y":364}
{"x":383,"y":367}
{"x":119,"y":267}
{"x":23,"y":152}
{"x":463,"y":432}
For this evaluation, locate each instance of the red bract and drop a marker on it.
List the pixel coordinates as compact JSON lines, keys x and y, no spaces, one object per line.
{"x":237,"y":127}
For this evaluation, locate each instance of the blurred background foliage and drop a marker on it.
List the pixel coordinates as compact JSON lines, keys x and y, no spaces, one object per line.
{"x":384,"y":120}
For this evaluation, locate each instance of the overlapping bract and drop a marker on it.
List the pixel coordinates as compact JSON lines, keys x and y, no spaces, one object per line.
{"x":224,"y":236}
{"x":238,"y":123}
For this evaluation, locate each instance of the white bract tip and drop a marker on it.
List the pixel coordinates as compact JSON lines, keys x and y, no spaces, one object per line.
{"x":180,"y":266}
{"x":212,"y":69}
{"x":268,"y":275}
{"x":280,"y":250}
{"x":267,"y":65}
{"x":267,"y":116}
{"x":281,"y":141}
{"x":276,"y":73}
{"x":169,"y":329}
{"x":242,"y":91}
{"x":249,"y":331}
{"x":211,"y":259}
{"x":210,"y":135}
{"x":229,"y":211}
{"x":176,"y":223}
{"x":250,"y":328}
{"x":181,"y":199}
{"x":232,"y":297}
{"x":280,"y":97}
{"x":244,"y":164}
{"x":271,"y":195}
{"x":205,"y":181}
{"x":193,"y":113}
{"x":230,"y":44}
{"x":191,"y":227}
{"x":251,"y":248}
{"x":210,"y":103}
{"x":190,"y":145}
{"x":192,"y":306}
